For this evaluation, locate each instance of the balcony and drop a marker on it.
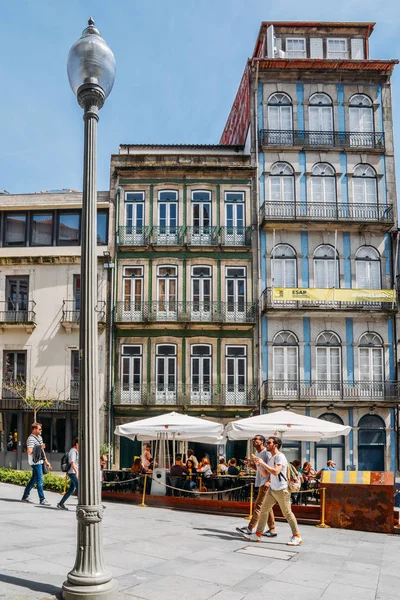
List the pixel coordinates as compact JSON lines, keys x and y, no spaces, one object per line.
{"x":187,"y":395}
{"x":326,"y":211}
{"x":179,"y":236}
{"x":70,"y":317}
{"x":74,"y":389}
{"x":352,"y":140}
{"x":185,"y":312}
{"x":18,"y":316}
{"x":328,"y":299}
{"x":327,"y":391}
{"x":11,"y":399}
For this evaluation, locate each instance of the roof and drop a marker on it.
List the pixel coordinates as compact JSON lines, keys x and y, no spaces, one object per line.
{"x":234,"y":147}
{"x":326,"y":64}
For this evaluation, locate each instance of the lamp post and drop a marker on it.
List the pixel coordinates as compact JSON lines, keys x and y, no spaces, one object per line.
{"x":91,"y":74}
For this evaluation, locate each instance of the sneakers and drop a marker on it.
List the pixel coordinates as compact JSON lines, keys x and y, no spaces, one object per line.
{"x":270,"y":534}
{"x":44,"y":503}
{"x":243,"y":530}
{"x":253,"y":537}
{"x":62,"y":506}
{"x":295,"y":540}
{"x":27,"y":500}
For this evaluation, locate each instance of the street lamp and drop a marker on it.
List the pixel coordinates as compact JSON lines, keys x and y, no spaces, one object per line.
{"x":91,"y":74}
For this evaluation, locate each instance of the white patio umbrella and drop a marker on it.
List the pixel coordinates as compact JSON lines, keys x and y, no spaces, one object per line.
{"x":286,"y":425}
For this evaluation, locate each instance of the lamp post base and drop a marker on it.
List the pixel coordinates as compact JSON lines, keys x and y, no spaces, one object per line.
{"x":104,"y":591}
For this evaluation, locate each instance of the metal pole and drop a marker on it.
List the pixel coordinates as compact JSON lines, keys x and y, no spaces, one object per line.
{"x":322,"y":524}
{"x":251,"y":503}
{"x":89,"y":578}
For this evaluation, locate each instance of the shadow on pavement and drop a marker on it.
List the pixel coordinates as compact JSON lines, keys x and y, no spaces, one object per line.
{"x":11,"y":500}
{"x":36,"y":586}
{"x":232,"y":534}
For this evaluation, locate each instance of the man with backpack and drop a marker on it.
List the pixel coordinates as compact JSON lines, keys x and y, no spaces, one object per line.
{"x":278,"y":492}
{"x":73,"y":473}
{"x":36,"y":458}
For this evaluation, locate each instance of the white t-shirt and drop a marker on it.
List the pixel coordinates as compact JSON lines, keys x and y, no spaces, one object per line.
{"x":31,"y":442}
{"x":260,"y":477}
{"x":278,"y":483}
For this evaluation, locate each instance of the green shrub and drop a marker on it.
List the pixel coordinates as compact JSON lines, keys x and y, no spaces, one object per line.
{"x":53,"y":483}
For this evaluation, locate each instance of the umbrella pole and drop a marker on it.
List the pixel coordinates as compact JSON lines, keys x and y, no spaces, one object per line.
{"x":173,"y":447}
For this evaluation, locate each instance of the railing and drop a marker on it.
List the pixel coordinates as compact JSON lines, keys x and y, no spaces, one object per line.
{"x":327,"y":211}
{"x":268,"y":302}
{"x":331,"y":390}
{"x":70,"y":314}
{"x":22,"y":312}
{"x":178,"y":236}
{"x":327,"y":139}
{"x":12,"y":391}
{"x":10,"y":387}
{"x":203,"y":312}
{"x":74,"y":389}
{"x":193,"y":395}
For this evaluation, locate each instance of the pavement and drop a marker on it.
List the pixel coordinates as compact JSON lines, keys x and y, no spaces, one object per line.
{"x":162,"y":554}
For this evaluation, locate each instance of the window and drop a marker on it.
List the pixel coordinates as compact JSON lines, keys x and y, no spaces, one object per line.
{"x":74,"y":383}
{"x":328,"y":352}
{"x":102,"y":228}
{"x":14,"y":371}
{"x":168,"y":217}
{"x":134,"y":217}
{"x":167,"y":293}
{"x":68,"y":229}
{"x":330,"y":448}
{"x":201,"y":293}
{"x":166,"y":376}
{"x":365,"y":193}
{"x":201,"y":217}
{"x":357,"y":49}
{"x":361,"y":114}
{"x":320,"y":114}
{"x":323,"y":191}
{"x":371,"y":443}
{"x":77,"y":292}
{"x":284,"y":272}
{"x":337,"y":48}
{"x":42,"y":229}
{"x":285,"y":363}
{"x":368,"y":268}
{"x":326,"y":267}
{"x":234,"y":233}
{"x":133,"y":293}
{"x":282,"y":197}
{"x":236,"y":374}
{"x":235,"y":278}
{"x":131,"y":374}
{"x":201,"y":373}
{"x":296,"y":48}
{"x":15,"y":229}
{"x":280,"y":120}
{"x":371,"y":362}
{"x":17,"y":293}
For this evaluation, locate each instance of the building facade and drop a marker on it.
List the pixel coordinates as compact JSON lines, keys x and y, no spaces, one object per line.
{"x":185,"y":285}
{"x":317,"y":111}
{"x":39,"y":317}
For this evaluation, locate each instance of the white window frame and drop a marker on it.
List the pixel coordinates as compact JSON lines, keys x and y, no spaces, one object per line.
{"x":298,"y":53}
{"x":338,"y":55}
{"x":131,"y":395}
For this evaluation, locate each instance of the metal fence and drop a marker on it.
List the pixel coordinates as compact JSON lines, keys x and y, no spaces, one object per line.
{"x":186,"y":395}
{"x":172,"y":310}
{"x":178,"y":236}
{"x":22,"y":312}
{"x":328,"y":139}
{"x":327,"y":211}
{"x":330,"y":390}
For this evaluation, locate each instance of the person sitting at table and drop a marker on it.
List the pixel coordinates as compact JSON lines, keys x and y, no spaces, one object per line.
{"x":177,"y":474}
{"x":205,"y":468}
{"x":308,"y":475}
{"x":147,"y":458}
{"x":232,"y":468}
{"x":191,"y":456}
{"x":222,"y":466}
{"x":137,"y":470}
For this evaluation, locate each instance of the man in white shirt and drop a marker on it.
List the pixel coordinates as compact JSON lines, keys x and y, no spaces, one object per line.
{"x":36,"y":457}
{"x":278,"y":492}
{"x":73,"y":474}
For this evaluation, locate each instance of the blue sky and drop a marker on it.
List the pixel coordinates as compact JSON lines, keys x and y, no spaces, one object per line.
{"x":179,"y":63}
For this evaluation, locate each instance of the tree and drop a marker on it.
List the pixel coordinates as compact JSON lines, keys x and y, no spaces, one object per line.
{"x":39,"y":396}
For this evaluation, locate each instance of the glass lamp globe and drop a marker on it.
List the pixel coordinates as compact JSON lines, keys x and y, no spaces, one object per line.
{"x":91,"y":61}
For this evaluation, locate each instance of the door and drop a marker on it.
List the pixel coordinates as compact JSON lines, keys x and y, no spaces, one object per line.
{"x":134,"y":223}
{"x":200,"y":392}
{"x":133,"y":305}
{"x":201,"y":218}
{"x":328,"y":371}
{"x":236,"y":294}
{"x":280,"y":126}
{"x":285,"y":371}
{"x":361,"y":121}
{"x":167,"y":218}
{"x":17,"y":290}
{"x":167,"y":305}
{"x":14,"y":373}
{"x":236,"y":375}
{"x":201,"y":294}
{"x":371,"y":372}
{"x":321,"y":125}
{"x":131,"y":375}
{"x":166,"y":374}
{"x":235,"y":232}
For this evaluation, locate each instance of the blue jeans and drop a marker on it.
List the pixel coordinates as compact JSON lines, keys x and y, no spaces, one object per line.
{"x":37,"y":477}
{"x":72,"y":487}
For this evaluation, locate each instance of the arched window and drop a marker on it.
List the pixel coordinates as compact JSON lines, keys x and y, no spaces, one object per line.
{"x":284,"y":272}
{"x":365,"y":193}
{"x":368,"y":268}
{"x":330,"y":448}
{"x":281,"y":181}
{"x":370,"y":348}
{"x":201,"y":293}
{"x":285,"y":363}
{"x":201,"y":373}
{"x":167,"y":293}
{"x":371,"y":443}
{"x":280,"y":119}
{"x":320,"y":117}
{"x":323,"y":190}
{"x":329,"y":372}
{"x":326,"y":267}
{"x":361,"y":120}
{"x":166,"y":375}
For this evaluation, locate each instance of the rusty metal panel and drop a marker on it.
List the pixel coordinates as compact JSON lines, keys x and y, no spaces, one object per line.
{"x":238,"y":122}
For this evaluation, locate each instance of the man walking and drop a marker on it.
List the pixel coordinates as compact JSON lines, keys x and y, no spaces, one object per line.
{"x":73,"y":473}
{"x":36,"y":458}
{"x":278,"y":492}
{"x":262,"y":483}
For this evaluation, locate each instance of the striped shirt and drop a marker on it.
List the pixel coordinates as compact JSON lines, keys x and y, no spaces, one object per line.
{"x":31,"y":442}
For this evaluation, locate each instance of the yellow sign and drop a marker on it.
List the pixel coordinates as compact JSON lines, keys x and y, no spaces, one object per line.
{"x":333,"y":295}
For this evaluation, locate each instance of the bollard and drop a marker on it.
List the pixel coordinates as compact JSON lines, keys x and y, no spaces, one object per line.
{"x":322,"y":524}
{"x":144,"y":492}
{"x":251,"y":502}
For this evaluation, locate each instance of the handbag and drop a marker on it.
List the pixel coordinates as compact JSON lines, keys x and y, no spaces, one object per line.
{"x":44,"y":466}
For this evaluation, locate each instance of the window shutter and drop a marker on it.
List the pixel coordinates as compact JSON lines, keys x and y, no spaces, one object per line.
{"x":316,"y":50}
{"x":361,"y":275}
{"x":357,"y":49}
{"x":278,"y":46}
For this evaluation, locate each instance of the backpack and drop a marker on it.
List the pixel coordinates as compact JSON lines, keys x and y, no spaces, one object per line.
{"x":65,"y":464}
{"x":293,"y":479}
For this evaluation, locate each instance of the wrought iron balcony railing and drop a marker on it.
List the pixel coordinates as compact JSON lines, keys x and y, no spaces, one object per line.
{"x":74,"y":389}
{"x":17,"y":313}
{"x":270,"y":302}
{"x":192,"y":394}
{"x":368,"y":391}
{"x":71,"y":314}
{"x":178,"y":236}
{"x":326,"y":139}
{"x":12,"y":390}
{"x":326,"y":211}
{"x":186,"y":312}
